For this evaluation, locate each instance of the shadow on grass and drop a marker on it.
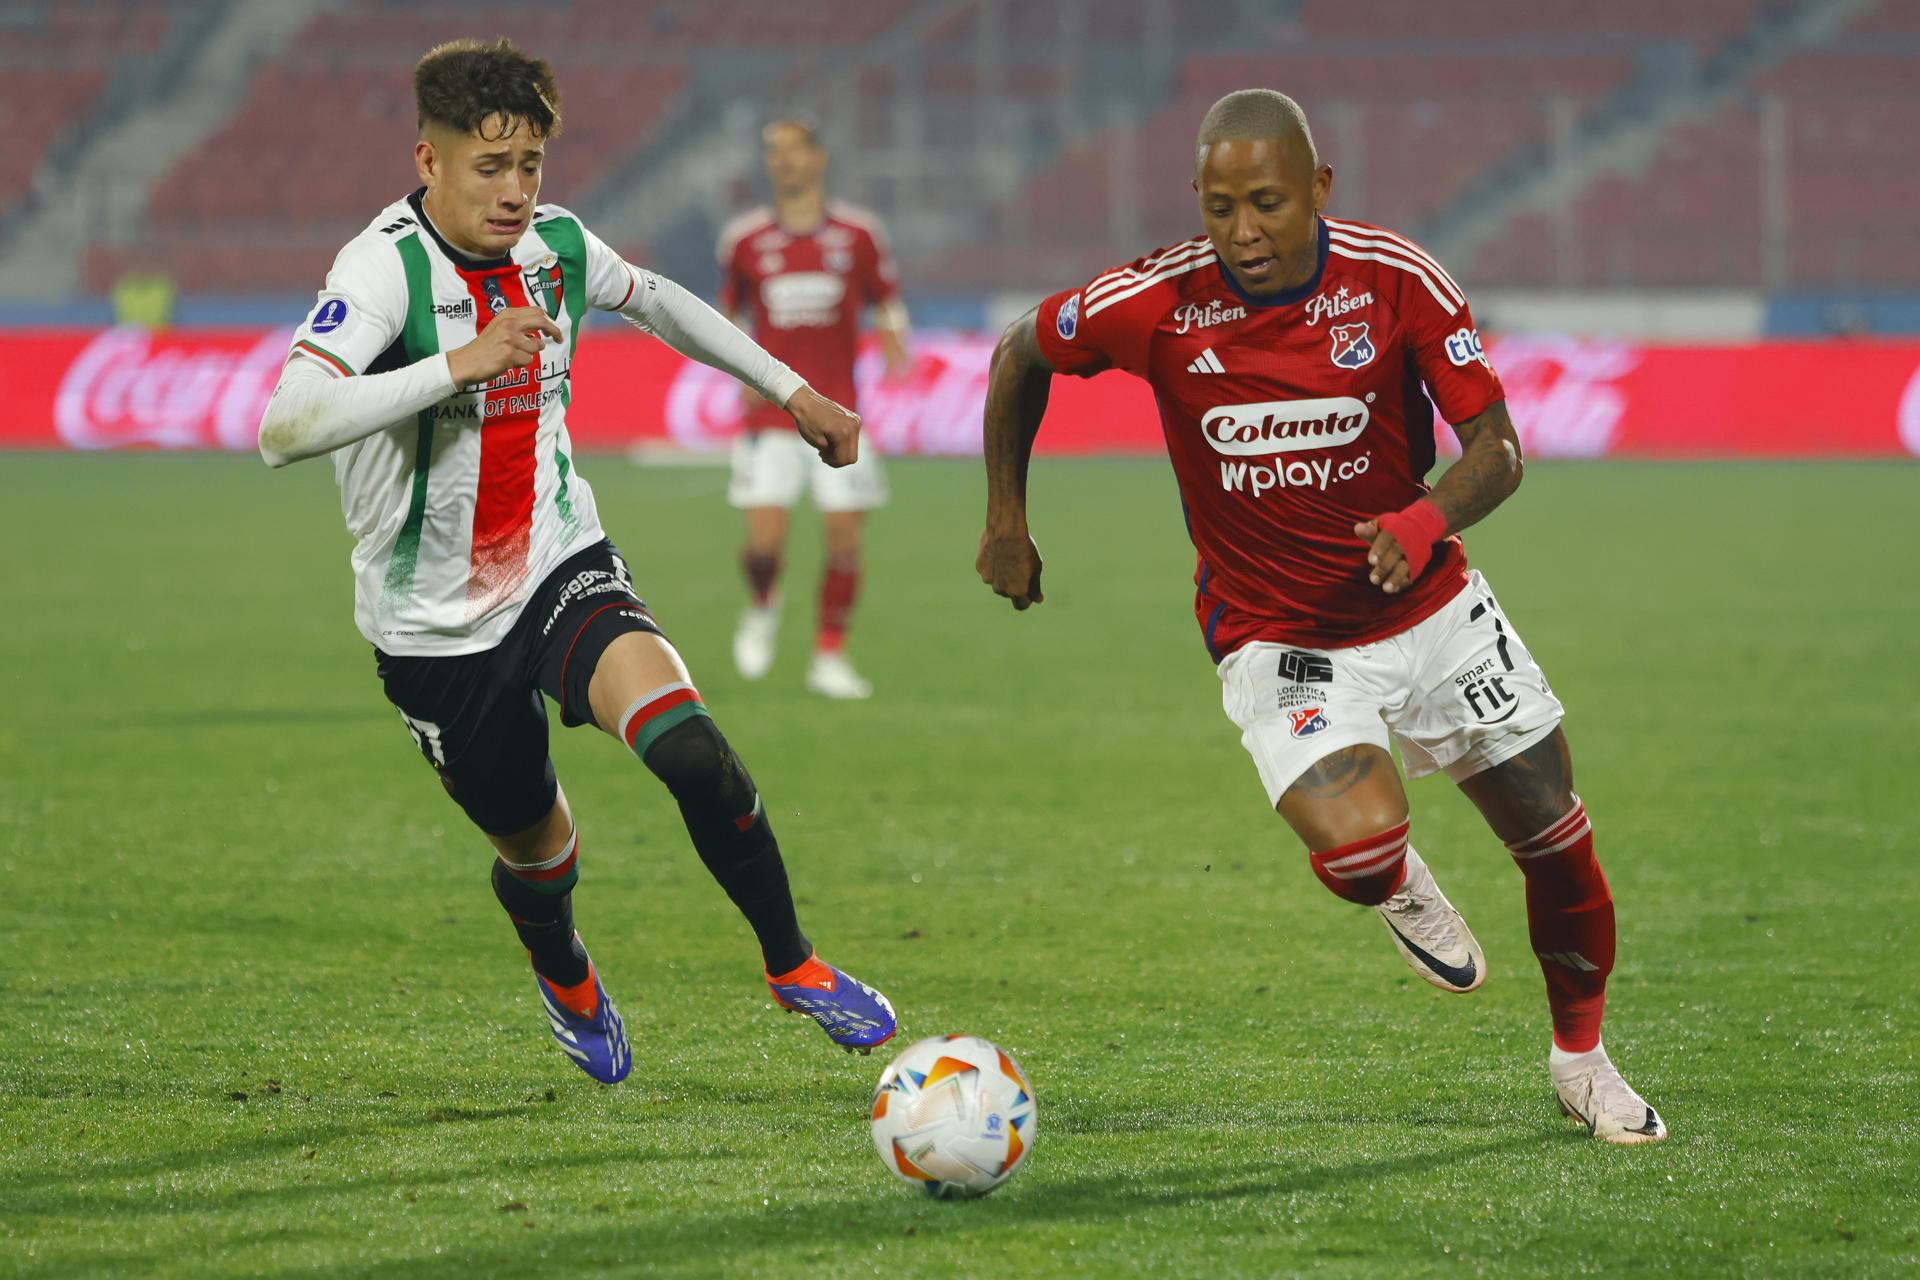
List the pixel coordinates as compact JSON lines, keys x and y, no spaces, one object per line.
{"x":16,"y":1196}
{"x":706,"y":1242}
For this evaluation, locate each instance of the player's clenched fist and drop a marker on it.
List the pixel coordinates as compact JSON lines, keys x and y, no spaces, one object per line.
{"x":511,"y":339}
{"x":828,"y":427}
{"x":1010,"y":564}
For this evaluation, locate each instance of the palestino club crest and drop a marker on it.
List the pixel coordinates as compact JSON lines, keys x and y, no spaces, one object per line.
{"x":544,"y":282}
{"x":1308,"y":721}
{"x":1352,"y":348}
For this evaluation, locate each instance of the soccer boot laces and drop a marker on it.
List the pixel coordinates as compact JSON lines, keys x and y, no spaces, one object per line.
{"x":1431,"y":935}
{"x":853,"y":1014}
{"x":597,"y":1044}
{"x":1591,"y":1091}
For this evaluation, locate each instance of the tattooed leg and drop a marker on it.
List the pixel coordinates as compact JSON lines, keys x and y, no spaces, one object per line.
{"x":1525,"y":795}
{"x":1529,"y":803}
{"x":1348,"y":795}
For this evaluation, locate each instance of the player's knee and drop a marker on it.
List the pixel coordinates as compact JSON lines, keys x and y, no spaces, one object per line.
{"x":694,"y":759}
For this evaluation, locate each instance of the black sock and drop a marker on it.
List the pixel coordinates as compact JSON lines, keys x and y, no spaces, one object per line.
{"x":544,"y":922}
{"x":730,"y":831}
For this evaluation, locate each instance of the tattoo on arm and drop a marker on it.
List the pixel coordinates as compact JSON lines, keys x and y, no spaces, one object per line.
{"x":1017,"y":388}
{"x":1487,"y":473}
{"x":1332,"y":776}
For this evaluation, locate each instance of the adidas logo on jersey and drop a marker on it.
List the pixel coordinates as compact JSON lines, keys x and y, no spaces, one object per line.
{"x":1207,"y":363}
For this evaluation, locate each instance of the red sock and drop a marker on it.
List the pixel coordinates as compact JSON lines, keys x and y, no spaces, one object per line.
{"x":762,"y":570}
{"x":837,"y":591}
{"x":1367,"y":871}
{"x":1570,"y":920}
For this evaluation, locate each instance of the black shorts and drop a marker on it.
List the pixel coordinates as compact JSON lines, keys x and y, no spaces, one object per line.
{"x":478,"y":717}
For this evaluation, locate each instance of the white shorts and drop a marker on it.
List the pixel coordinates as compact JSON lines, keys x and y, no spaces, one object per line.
{"x":772,"y":467}
{"x":1458,"y":692}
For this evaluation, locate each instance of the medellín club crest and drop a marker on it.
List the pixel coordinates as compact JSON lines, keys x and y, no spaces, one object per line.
{"x":1352,"y":348}
{"x":1308,"y":721}
{"x":544,"y":283}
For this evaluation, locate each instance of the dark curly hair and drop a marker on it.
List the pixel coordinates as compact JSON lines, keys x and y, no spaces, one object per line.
{"x":462,"y":84}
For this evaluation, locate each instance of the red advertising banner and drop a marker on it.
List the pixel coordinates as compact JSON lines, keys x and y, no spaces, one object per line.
{"x":204,"y":389}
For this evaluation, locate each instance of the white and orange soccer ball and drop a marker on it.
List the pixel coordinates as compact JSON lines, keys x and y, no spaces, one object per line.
{"x":953,"y":1116}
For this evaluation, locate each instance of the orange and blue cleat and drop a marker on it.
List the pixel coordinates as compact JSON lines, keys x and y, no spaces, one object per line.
{"x":597,"y":1042}
{"x":853,"y":1014}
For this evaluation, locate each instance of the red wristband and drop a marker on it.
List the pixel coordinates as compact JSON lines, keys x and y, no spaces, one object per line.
{"x":1416,"y":527}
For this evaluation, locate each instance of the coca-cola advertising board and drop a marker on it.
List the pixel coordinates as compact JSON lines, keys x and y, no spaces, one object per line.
{"x":203,"y":389}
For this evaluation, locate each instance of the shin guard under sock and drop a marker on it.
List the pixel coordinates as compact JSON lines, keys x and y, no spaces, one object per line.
{"x":1570,"y":922}
{"x":1367,"y":871}
{"x":762,"y":570}
{"x":539,"y":901}
{"x":839,"y":587}
{"x":670,"y":731}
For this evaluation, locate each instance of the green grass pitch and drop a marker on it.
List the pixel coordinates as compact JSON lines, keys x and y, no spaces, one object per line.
{"x":260,"y":1014}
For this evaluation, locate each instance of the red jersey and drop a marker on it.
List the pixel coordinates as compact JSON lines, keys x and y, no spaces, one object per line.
{"x":1289,"y":419}
{"x":806,"y":293}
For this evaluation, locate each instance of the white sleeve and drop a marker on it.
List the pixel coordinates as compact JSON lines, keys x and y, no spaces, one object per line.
{"x":315,"y":409}
{"x":694,"y":329}
{"x":361,"y":310}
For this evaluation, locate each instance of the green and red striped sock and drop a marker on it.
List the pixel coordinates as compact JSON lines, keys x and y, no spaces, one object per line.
{"x":652,"y":714}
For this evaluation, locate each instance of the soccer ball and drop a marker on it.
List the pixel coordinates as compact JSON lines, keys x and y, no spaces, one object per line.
{"x":953,"y":1116}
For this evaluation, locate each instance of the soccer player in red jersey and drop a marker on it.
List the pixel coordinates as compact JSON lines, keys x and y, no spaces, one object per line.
{"x":1288,"y":351}
{"x":801,"y":272}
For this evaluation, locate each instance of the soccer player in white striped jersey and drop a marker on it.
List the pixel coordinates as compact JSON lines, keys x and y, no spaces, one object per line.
{"x":435,"y":369}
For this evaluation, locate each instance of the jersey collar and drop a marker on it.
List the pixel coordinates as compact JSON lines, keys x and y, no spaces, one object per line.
{"x":1291,"y":296}
{"x":467,"y":262}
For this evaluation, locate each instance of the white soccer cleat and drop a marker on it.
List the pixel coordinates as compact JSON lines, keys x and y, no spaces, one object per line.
{"x":1591,"y":1091}
{"x":832,"y":675}
{"x":754,"y":638}
{"x":1431,"y":935}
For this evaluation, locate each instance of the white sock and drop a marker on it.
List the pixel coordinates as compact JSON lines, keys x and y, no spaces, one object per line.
{"x":1560,"y":1057}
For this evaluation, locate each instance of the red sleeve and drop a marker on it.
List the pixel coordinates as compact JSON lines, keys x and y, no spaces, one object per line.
{"x":879,"y":277}
{"x":735,"y":288}
{"x":1084,"y":340}
{"x":1446,"y":348}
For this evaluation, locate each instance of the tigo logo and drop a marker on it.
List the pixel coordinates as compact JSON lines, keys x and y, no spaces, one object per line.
{"x":1463,"y":348}
{"x":1283,"y":426}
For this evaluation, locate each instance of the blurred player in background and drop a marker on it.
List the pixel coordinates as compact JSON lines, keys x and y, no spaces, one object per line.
{"x":436,"y":369}
{"x":1288,"y":352}
{"x":799,"y":274}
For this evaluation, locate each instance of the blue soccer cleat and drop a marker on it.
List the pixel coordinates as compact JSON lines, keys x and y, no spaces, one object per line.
{"x":853,"y":1014}
{"x":597,"y":1045}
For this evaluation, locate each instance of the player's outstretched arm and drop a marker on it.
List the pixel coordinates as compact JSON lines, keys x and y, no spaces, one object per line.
{"x":662,"y":308}
{"x":1017,"y":386}
{"x":1488,"y":472}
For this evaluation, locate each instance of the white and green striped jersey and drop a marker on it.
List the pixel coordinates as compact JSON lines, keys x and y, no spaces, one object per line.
{"x":460,"y":511}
